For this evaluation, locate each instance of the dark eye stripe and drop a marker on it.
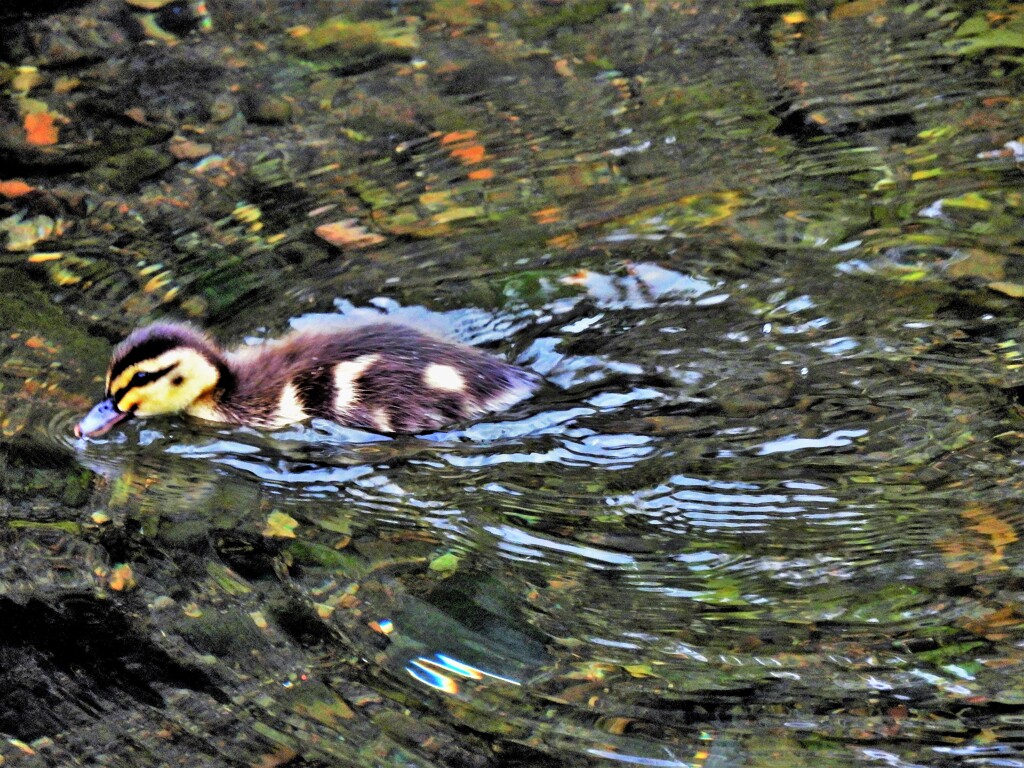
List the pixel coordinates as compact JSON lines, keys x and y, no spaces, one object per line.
{"x":147,"y":350}
{"x":140,"y":379}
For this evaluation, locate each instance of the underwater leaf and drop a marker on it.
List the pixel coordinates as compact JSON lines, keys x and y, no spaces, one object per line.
{"x":856,"y":8}
{"x":121,"y":577}
{"x":972,"y":201}
{"x":447,"y":563}
{"x":348,"y":233}
{"x":1013,"y":290}
{"x":470,"y":154}
{"x":186,"y":149}
{"x":22,"y":235}
{"x":41,"y":129}
{"x":280,"y":525}
{"x":14,"y":188}
{"x":640,"y":670}
{"x":995,"y":38}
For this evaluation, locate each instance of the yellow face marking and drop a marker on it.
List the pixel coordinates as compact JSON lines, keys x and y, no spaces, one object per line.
{"x":289,"y":408}
{"x":190,"y":378}
{"x":443,"y":377}
{"x":346,"y":378}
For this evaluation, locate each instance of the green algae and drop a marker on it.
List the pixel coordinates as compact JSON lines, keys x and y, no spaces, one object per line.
{"x":126,"y":171}
{"x":71,"y":528}
{"x":28,"y":308}
{"x":537,"y":23}
{"x":347,"y":45}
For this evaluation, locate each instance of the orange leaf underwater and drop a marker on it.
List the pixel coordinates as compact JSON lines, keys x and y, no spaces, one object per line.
{"x":348,"y":233}
{"x":12,"y":189}
{"x":40,"y":129}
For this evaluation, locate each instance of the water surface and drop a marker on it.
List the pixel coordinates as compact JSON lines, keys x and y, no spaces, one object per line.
{"x":764,"y":510}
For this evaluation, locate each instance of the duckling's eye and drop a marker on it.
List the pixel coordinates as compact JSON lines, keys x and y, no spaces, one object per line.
{"x":141,"y":377}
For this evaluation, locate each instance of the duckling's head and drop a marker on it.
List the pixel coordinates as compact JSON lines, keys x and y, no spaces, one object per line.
{"x":160,"y":369}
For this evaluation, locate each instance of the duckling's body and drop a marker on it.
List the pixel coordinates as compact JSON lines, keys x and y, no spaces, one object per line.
{"x":380,"y":376}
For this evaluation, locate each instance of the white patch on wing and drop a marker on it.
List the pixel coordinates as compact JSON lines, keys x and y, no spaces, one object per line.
{"x":346,"y":378}
{"x":381,"y":420}
{"x":289,"y":408}
{"x":444,"y":377}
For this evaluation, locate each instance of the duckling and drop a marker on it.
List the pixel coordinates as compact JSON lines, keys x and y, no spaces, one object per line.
{"x":379,"y":376}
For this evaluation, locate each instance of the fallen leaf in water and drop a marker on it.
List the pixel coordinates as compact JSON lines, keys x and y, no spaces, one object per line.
{"x":459,"y":213}
{"x":1014,"y":290}
{"x":26,"y":79}
{"x":185,"y":149}
{"x":121,"y":577}
{"x":971,"y":201}
{"x":65,"y":84}
{"x":137,"y":114}
{"x":281,"y":526}
{"x":856,"y":8}
{"x":470,"y":154}
{"x":11,"y":189}
{"x":640,"y":670}
{"x":547,"y":215}
{"x":457,"y":136}
{"x":348,"y":233}
{"x":41,"y":129}
{"x":564,"y":68}
{"x":22,"y":235}
{"x":447,"y":563}
{"x":617,"y":725}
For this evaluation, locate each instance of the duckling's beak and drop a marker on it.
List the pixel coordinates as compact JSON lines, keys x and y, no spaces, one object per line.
{"x":100,"y":419}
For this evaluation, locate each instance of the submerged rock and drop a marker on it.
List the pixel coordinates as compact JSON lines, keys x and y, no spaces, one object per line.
{"x":126,"y":171}
{"x":267,"y":109}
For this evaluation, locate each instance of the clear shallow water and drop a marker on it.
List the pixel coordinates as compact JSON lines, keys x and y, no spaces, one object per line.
{"x":764,"y":511}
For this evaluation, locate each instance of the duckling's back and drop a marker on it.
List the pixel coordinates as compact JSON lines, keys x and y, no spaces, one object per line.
{"x":383,"y":376}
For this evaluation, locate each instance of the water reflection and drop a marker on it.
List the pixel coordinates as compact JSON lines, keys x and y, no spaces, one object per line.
{"x":436,"y":672}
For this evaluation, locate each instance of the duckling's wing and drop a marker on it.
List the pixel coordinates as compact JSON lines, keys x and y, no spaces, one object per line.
{"x":392,"y":378}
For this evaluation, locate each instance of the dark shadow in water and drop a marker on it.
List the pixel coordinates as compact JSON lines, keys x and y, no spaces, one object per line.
{"x":76,"y":660}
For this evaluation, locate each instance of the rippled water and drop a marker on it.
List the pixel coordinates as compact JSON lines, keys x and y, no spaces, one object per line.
{"x":724,"y":521}
{"x":763,"y":512}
